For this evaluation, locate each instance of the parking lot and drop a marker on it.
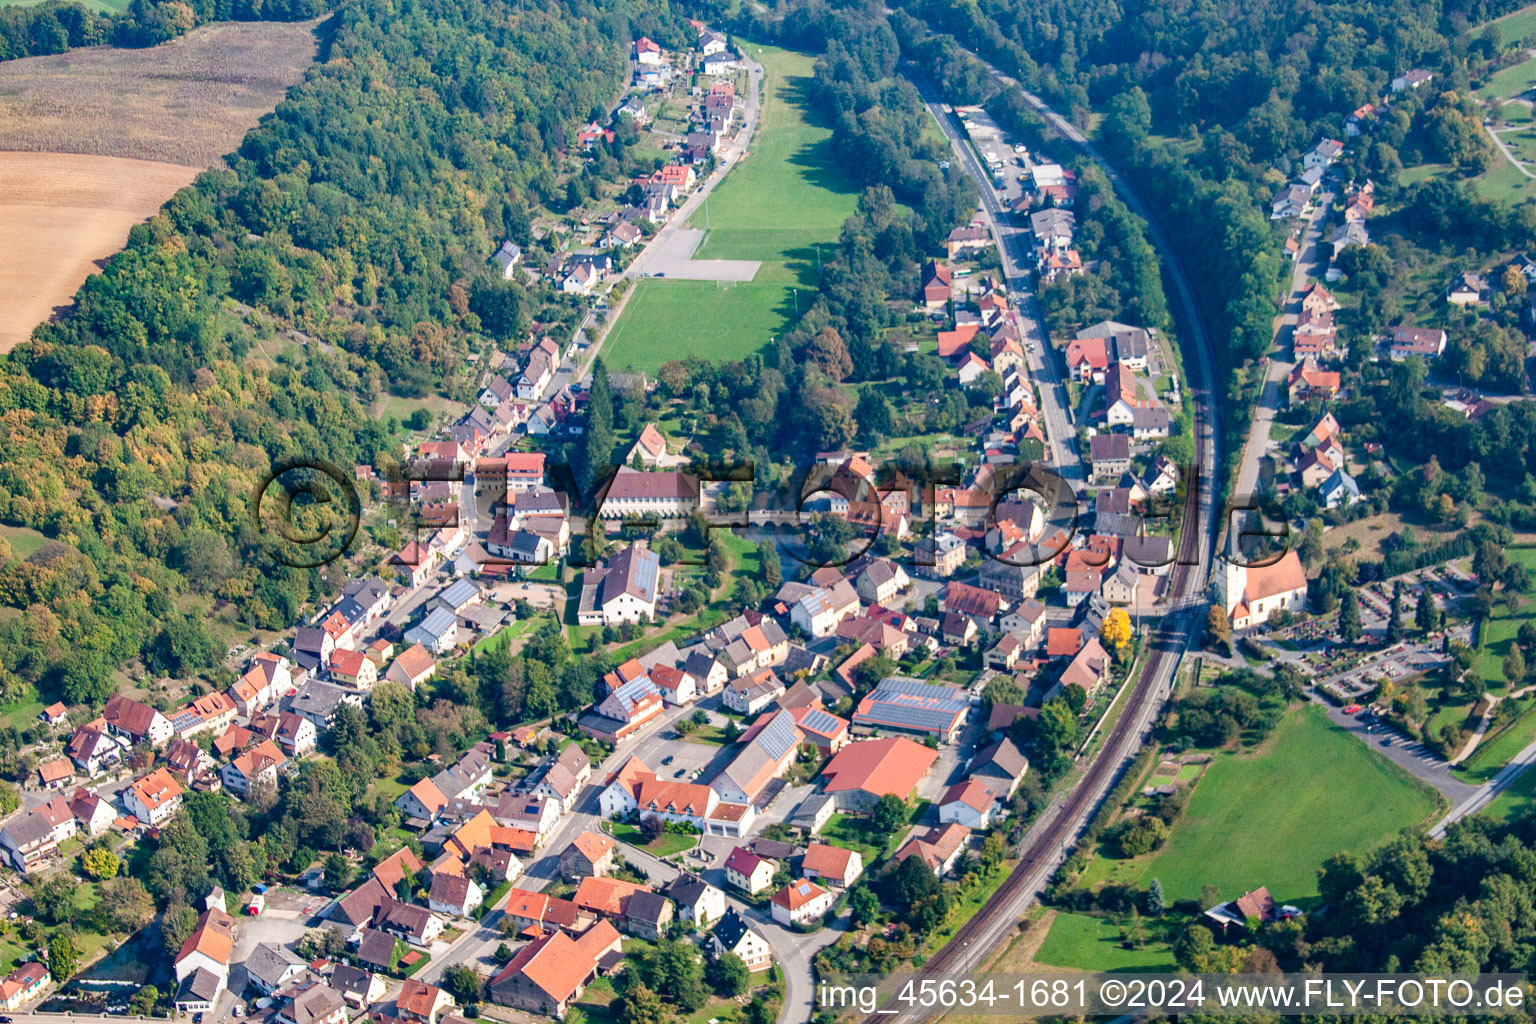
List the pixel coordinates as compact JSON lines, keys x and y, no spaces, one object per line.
{"x":284,"y":920}
{"x":683,"y":759}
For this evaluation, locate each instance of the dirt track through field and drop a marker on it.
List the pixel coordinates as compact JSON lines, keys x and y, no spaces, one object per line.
{"x":60,"y":213}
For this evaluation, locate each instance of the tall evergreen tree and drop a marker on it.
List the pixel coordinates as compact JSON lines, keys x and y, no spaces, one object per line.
{"x":1395,"y":622}
{"x":1424,"y":614}
{"x":1349,"y":617}
{"x":599,"y":440}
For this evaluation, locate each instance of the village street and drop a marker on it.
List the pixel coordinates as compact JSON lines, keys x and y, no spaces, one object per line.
{"x":1309,"y":259}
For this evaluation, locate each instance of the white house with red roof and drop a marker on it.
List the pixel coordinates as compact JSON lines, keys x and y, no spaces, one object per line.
{"x":747,"y":871}
{"x":647,"y":51}
{"x":833,"y":865}
{"x":155,"y":798}
{"x":650,"y":448}
{"x":269,"y":677}
{"x":971,"y":803}
{"x":800,"y":902}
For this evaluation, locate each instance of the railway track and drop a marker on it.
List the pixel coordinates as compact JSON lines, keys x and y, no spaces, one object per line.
{"x":1083,"y":800}
{"x":1064,"y":820}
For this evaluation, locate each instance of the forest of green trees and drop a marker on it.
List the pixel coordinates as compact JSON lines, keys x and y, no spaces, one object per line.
{"x":61,"y":25}
{"x":361,"y":215}
{"x":1208,"y":107}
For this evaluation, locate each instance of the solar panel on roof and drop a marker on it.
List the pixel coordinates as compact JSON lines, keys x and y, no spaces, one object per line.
{"x":902,"y":684}
{"x":777,"y":738}
{"x":819,"y":721}
{"x":633,"y":690}
{"x":913,"y":717}
{"x":645,"y":571}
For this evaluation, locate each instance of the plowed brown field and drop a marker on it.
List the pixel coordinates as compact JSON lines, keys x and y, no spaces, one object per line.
{"x":61,"y":213}
{"x":94,"y":141}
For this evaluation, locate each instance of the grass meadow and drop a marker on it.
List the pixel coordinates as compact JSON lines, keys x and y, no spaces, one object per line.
{"x":1093,"y":944}
{"x":1514,"y":26}
{"x":786,"y":197}
{"x":1273,"y":816}
{"x":1497,"y":749}
{"x":1498,"y":630}
{"x":1515,"y":802}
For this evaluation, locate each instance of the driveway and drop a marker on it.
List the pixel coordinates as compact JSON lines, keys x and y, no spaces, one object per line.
{"x":672,"y":257}
{"x":1414,"y":758}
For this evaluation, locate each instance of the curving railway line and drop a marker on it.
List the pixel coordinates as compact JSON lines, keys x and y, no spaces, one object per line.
{"x":1046,"y":844}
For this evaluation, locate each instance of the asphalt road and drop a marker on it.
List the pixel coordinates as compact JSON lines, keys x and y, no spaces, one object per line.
{"x":1486,"y":793}
{"x":1013,"y":245}
{"x":1183,"y":620}
{"x":1308,"y":260}
{"x":792,"y":950}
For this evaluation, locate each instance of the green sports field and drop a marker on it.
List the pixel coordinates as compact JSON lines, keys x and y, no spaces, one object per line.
{"x":776,"y":205}
{"x":1271,"y":818}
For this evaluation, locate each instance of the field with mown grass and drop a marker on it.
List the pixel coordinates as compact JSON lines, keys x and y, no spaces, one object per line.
{"x":1093,"y":944}
{"x":1271,"y":817}
{"x":776,"y":205}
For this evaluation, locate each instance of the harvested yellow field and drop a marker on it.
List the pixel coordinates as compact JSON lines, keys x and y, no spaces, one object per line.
{"x":94,"y":141}
{"x":189,"y":101}
{"x":60,"y":215}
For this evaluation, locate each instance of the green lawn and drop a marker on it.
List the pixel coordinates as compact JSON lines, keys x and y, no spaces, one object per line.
{"x":1093,"y":944}
{"x":1510,"y":82}
{"x":664,"y":845}
{"x":1499,"y":630}
{"x":1521,"y":143}
{"x":22,"y":713}
{"x":24,"y":542}
{"x":1422,"y":172}
{"x":549,"y":572}
{"x":1494,"y":753}
{"x":1514,"y":26}
{"x":1504,"y":182}
{"x":503,"y":637}
{"x":850,"y":833}
{"x":776,"y":205}
{"x":1272,"y":817}
{"x":597,"y":1004}
{"x":1516,"y":801}
{"x":667,"y":320}
{"x":743,"y":552}
{"x":709,"y":736}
